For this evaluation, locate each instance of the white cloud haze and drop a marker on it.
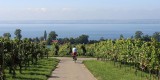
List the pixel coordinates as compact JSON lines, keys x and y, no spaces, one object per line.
{"x":78,"y":10}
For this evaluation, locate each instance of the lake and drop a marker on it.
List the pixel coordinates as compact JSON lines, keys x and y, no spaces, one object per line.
{"x":95,"y":31}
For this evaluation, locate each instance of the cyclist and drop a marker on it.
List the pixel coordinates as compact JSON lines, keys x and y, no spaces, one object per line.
{"x":74,"y":53}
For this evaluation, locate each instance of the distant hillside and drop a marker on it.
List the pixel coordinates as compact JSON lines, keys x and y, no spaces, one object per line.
{"x":138,"y":21}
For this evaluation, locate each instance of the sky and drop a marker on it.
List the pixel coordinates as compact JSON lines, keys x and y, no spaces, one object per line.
{"x":79,"y":9}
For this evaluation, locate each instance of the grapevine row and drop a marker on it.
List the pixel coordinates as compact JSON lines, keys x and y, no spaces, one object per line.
{"x":18,"y":54}
{"x":142,"y":55}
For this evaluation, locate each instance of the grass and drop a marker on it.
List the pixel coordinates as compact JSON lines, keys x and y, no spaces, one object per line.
{"x":41,"y":71}
{"x":107,"y":71}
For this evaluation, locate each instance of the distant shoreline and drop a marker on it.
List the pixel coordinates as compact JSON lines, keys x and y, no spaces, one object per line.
{"x":136,"y":21}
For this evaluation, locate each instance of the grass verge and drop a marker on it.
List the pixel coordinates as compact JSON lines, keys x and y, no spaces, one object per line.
{"x":41,"y":71}
{"x":107,"y":71}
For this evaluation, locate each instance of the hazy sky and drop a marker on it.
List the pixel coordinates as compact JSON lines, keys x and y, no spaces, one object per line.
{"x":79,"y":9}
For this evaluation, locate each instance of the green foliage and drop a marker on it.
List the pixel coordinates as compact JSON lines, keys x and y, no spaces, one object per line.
{"x":156,"y":36}
{"x":45,"y":35}
{"x":138,"y":34}
{"x":121,"y":37}
{"x":83,"y":39}
{"x":52,"y":35}
{"x":79,"y":50}
{"x":134,"y":52}
{"x":18,"y":34}
{"x":49,"y":41}
{"x":7,"y":35}
{"x":90,"y":50}
{"x":65,"y":49}
{"x":18,"y":54}
{"x":55,"y":49}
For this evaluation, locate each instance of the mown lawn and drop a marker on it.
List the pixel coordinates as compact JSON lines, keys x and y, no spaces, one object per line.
{"x":41,"y":71}
{"x":107,"y":71}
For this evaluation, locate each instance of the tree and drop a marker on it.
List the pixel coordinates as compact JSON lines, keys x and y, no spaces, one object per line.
{"x":121,"y":37}
{"x":7,"y":35}
{"x":138,"y":34}
{"x":49,"y":40}
{"x":41,"y":38}
{"x":36,"y":39}
{"x":156,"y":36}
{"x":18,"y":34}
{"x":132,"y":37}
{"x":146,"y":38}
{"x":45,"y":35}
{"x":53,"y":35}
{"x":83,"y":50}
{"x":83,"y":39}
{"x":66,"y":40}
{"x":72,"y":40}
{"x":30,"y":39}
{"x":102,"y":39}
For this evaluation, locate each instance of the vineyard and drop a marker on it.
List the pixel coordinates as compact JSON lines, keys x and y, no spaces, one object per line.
{"x":19,"y":55}
{"x":138,"y":54}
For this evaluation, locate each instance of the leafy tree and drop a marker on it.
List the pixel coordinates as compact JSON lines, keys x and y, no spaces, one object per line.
{"x":121,"y":37}
{"x":83,"y":39}
{"x":41,"y":38}
{"x":49,"y":41}
{"x":132,"y":37}
{"x":83,"y":50}
{"x":72,"y":40}
{"x":102,"y":39}
{"x":156,"y":36}
{"x":37,"y":39}
{"x":66,"y":40}
{"x":7,"y":35}
{"x":93,"y":41}
{"x":138,"y":34}
{"x":53,"y":35}
{"x":18,"y":34}
{"x":30,"y":39}
{"x":146,"y":38}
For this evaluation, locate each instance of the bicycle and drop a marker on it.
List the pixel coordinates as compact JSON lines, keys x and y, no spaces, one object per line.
{"x":75,"y":58}
{"x":74,"y":55}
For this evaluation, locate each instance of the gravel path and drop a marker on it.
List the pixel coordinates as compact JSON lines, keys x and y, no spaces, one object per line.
{"x":69,"y":70}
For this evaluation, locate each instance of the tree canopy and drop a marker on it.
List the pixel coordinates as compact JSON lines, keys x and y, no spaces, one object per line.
{"x":53,"y":35}
{"x":7,"y":35}
{"x":138,"y":34}
{"x":18,"y":34}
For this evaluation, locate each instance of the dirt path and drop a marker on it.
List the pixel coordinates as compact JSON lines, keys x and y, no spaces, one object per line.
{"x":68,"y":70}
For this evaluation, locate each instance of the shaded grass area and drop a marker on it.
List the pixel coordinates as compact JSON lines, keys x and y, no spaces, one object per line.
{"x":107,"y":71}
{"x":41,"y":71}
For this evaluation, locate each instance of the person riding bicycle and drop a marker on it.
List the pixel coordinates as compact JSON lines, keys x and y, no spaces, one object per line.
{"x":74,"y":53}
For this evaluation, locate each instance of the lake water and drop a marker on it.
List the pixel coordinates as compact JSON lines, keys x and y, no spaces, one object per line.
{"x":95,"y":31}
